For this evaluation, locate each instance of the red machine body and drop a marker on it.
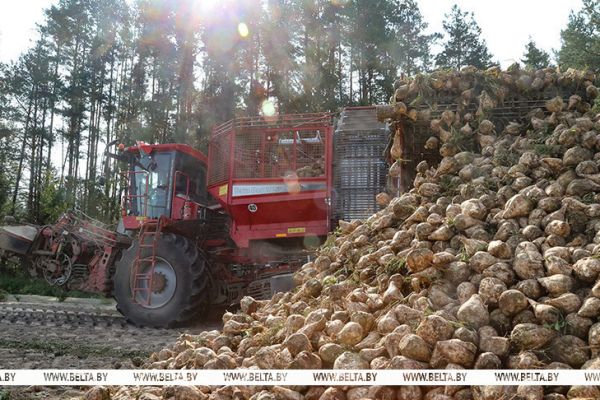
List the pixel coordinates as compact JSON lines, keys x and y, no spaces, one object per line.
{"x":273,"y":176}
{"x":201,"y":230}
{"x":255,"y":209}
{"x":179,"y":200}
{"x":270,"y":178}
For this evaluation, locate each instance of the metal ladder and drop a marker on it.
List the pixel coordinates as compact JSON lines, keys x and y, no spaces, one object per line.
{"x":148,"y":239}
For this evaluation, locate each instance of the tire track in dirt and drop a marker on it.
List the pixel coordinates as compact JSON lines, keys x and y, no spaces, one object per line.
{"x":43,"y":333}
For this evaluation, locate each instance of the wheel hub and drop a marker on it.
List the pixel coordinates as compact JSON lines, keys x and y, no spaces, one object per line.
{"x":57,"y":271}
{"x":161,"y":290}
{"x":159,"y":282}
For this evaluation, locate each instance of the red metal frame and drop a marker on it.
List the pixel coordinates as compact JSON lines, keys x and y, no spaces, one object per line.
{"x":182,"y":208}
{"x":184,"y":148}
{"x":92,"y":243}
{"x":127,"y":197}
{"x":287,"y":214}
{"x":178,"y":205}
{"x":276,"y":122}
{"x":269,"y":206}
{"x":150,"y":229}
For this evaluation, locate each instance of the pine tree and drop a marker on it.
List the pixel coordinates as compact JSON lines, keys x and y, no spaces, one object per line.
{"x":535,"y":58}
{"x":581,"y":38}
{"x":281,"y":53}
{"x":369,"y":48}
{"x":463,"y":44}
{"x":6,"y":144}
{"x":411,"y":47}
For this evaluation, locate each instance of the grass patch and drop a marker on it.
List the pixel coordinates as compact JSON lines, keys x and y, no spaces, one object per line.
{"x":75,"y":349}
{"x":18,"y":283}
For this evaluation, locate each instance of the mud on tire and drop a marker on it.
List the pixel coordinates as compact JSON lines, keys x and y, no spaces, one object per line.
{"x":191,"y":292}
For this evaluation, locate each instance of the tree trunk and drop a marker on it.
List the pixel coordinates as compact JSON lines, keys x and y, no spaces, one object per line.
{"x":33,"y":147}
{"x":22,"y":155}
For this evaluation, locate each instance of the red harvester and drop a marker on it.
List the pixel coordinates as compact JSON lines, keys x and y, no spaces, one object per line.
{"x":199,"y":231}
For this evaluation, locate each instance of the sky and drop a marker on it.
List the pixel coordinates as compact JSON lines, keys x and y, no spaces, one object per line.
{"x":506,"y":24}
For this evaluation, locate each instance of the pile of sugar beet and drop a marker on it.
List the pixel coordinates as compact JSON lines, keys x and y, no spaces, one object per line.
{"x":490,"y":261}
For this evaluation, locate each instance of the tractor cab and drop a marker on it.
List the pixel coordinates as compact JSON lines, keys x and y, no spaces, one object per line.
{"x":163,"y":180}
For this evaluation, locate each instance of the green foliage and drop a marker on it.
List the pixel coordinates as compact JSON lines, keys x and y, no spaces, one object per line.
{"x":267,"y":337}
{"x":395,"y":266}
{"x":4,"y":186}
{"x":374,"y":66}
{"x":331,"y":237}
{"x":581,"y":38}
{"x":18,"y":283}
{"x":505,"y":157}
{"x":448,"y":185}
{"x":410,"y":47}
{"x":52,"y":199}
{"x":588,"y":198}
{"x":545,"y":150}
{"x":329,"y":280}
{"x":462,"y":141}
{"x":463,"y":255}
{"x":535,"y":58}
{"x":596,"y":106}
{"x":462,"y":42}
{"x":560,"y":325}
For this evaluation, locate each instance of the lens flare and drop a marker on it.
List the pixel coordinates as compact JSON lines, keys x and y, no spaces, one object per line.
{"x":268,"y":108}
{"x":243,"y":30}
{"x":311,"y":242}
{"x":290,"y":178}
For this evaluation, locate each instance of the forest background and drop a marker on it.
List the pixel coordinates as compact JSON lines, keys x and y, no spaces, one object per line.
{"x":160,"y":71}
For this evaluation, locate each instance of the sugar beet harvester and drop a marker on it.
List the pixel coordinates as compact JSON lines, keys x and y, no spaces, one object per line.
{"x":199,"y":231}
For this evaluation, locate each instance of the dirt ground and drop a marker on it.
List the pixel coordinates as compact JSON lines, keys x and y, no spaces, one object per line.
{"x":42,"y":333}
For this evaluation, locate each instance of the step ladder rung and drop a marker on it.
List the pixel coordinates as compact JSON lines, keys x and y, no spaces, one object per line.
{"x":148,"y":237}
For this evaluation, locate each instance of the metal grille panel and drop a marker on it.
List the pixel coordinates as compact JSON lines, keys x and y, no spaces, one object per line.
{"x":260,"y":154}
{"x":219,"y":159}
{"x":360,"y":171}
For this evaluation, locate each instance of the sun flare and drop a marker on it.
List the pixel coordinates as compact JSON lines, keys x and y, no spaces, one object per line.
{"x":243,"y":30}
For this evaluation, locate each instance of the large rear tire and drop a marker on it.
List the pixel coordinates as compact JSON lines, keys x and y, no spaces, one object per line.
{"x":180,"y":289}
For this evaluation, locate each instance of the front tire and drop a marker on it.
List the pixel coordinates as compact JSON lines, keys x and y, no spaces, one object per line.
{"x":180,"y":290}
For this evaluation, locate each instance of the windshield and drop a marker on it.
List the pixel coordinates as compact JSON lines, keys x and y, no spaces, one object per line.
{"x":153,"y":186}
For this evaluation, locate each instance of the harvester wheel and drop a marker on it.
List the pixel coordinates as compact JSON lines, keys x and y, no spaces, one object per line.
{"x":180,"y":283}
